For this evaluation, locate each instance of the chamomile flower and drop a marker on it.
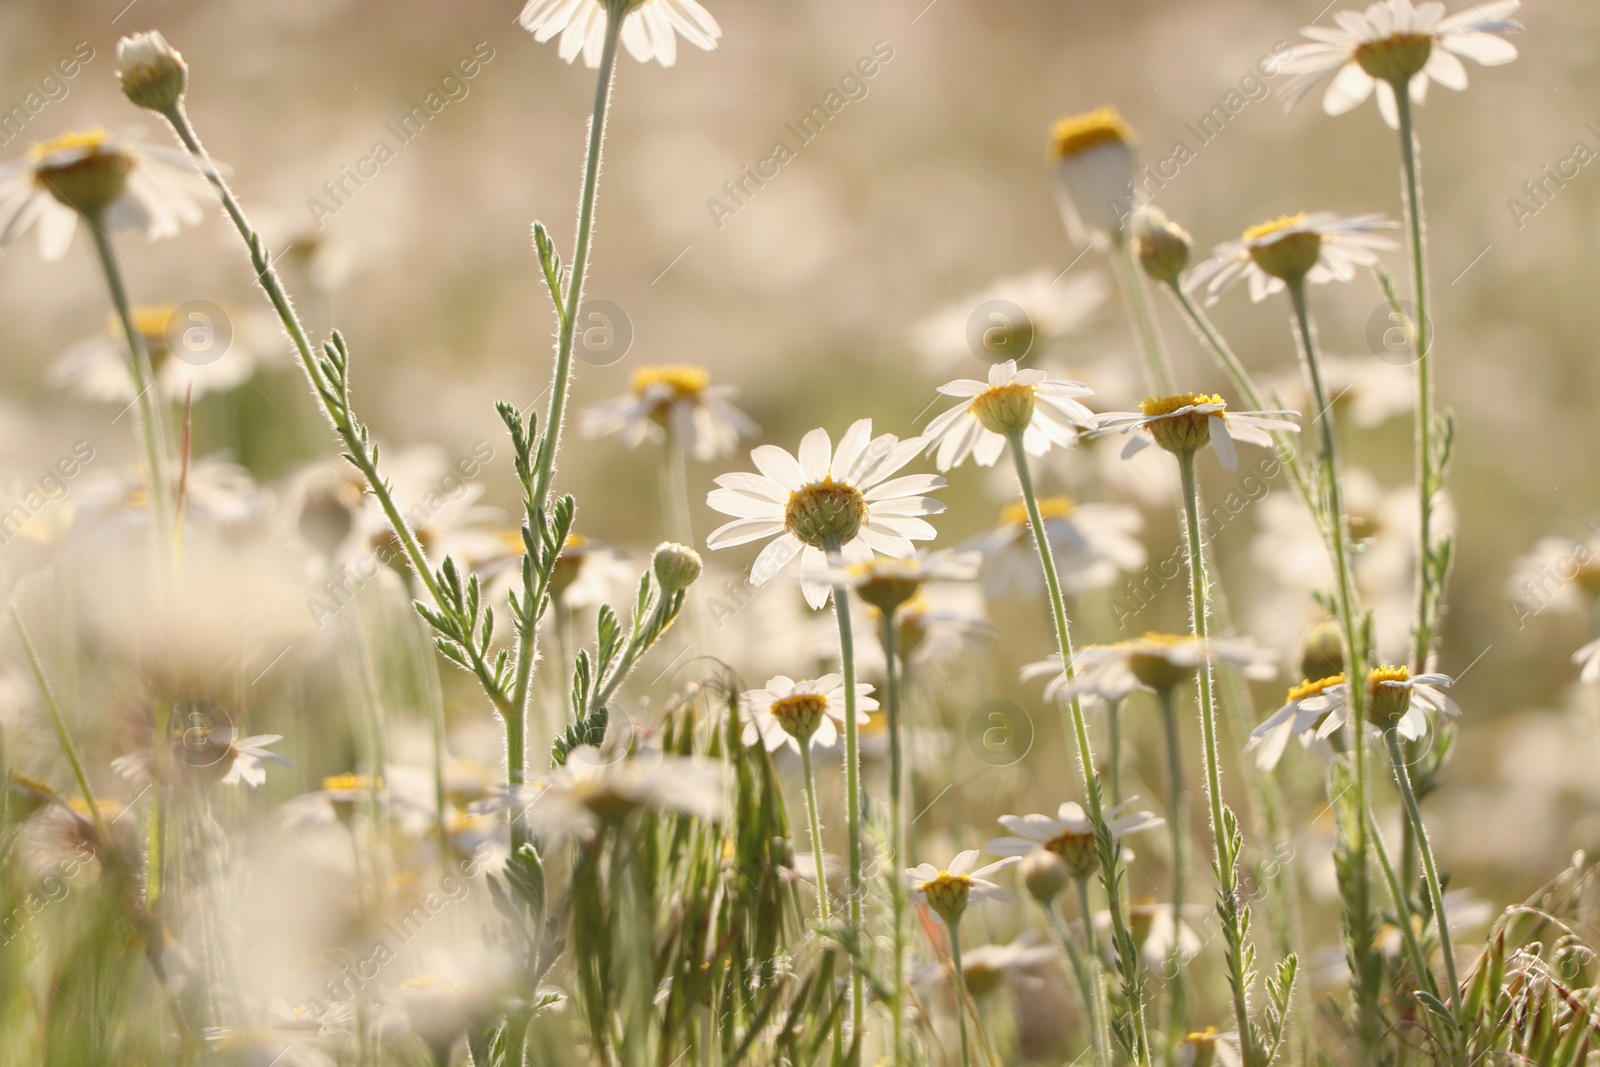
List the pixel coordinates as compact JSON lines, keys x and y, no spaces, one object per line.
{"x":988,"y":968}
{"x":208,"y":754}
{"x":116,"y":182}
{"x":1316,"y":247}
{"x":1026,"y":402}
{"x":1091,"y":542}
{"x":587,"y":792}
{"x":1152,"y":663}
{"x":1092,"y":160}
{"x":1207,"y":1048}
{"x":1562,"y":573}
{"x":827,"y":501}
{"x":650,"y":28}
{"x":680,"y":401}
{"x":1011,"y":317}
{"x":794,"y":713}
{"x":887,"y":582}
{"x":1394,"y":42}
{"x":1395,"y":701}
{"x":1189,"y":422}
{"x":949,"y":890}
{"x":191,"y":355}
{"x":1302,"y":710}
{"x":1069,"y":834}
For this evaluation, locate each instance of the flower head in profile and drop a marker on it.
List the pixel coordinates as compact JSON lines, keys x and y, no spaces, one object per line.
{"x":1012,"y":318}
{"x":1316,"y":247}
{"x":650,"y":28}
{"x":1189,"y":422}
{"x":1092,"y":543}
{"x":794,"y":713}
{"x":1028,"y":403}
{"x":827,"y":501}
{"x":1152,"y":663}
{"x":1069,"y":834}
{"x":1092,"y":159}
{"x":1302,"y":710}
{"x":592,"y":790}
{"x":1395,"y":701}
{"x":1395,"y":42}
{"x":676,"y":400}
{"x":888,"y":582}
{"x":1207,"y":1048}
{"x":949,"y":890}
{"x":116,"y":183}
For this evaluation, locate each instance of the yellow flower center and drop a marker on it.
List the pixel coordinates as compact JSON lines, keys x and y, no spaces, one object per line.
{"x":1397,"y":58}
{"x":1077,"y":852}
{"x":569,"y":563}
{"x":1142,"y":916}
{"x":686,"y":383}
{"x":1204,"y":1046}
{"x":947,"y":895}
{"x":826,"y":514}
{"x":93,"y":140}
{"x":1388,"y":703}
{"x":800,"y":713}
{"x":1151,"y":659}
{"x":1180,"y":433}
{"x":1051,"y":507}
{"x":1076,"y":134}
{"x":349,"y":783}
{"x":87,"y":183}
{"x":1005,"y":409}
{"x":1307,"y":689}
{"x":1282,"y":251}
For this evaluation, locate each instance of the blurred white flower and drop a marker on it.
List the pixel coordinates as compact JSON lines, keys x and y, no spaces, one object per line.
{"x":1070,"y":834}
{"x":1190,"y":422}
{"x":680,"y":401}
{"x":1092,"y":159}
{"x":1021,"y":312}
{"x":1302,"y":710}
{"x":190,"y":353}
{"x":125,"y":185}
{"x":1153,"y":662}
{"x":587,"y":792}
{"x":949,"y":890}
{"x":987,"y":968}
{"x":793,"y":713}
{"x":827,"y":501}
{"x":650,"y":28}
{"x":1026,"y":402}
{"x":1395,"y":700}
{"x":1091,"y":544}
{"x":1319,"y":247}
{"x":1393,"y":42}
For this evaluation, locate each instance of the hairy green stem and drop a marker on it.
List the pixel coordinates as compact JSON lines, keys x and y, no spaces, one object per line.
{"x":961,"y":993}
{"x":1178,"y":818}
{"x":69,"y":748}
{"x":1131,"y":280}
{"x":852,"y":777}
{"x":897,"y":827}
{"x":1086,"y":985}
{"x":815,"y":821}
{"x":1114,"y":744}
{"x":1430,"y":870}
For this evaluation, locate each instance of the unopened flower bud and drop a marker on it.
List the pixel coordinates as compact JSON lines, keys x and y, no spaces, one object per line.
{"x":152,"y":73}
{"x":1163,"y":246}
{"x":1044,"y":874}
{"x":1323,"y":655}
{"x":676,"y":566}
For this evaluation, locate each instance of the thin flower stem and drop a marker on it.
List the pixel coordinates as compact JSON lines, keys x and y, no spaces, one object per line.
{"x":1081,"y":972}
{"x":852,"y":777}
{"x":147,"y":402}
{"x":679,"y":508}
{"x":1078,"y":726}
{"x":555,"y":418}
{"x":897,"y":889}
{"x":1430,"y":870}
{"x":1427,"y":477}
{"x":1131,"y":279}
{"x":816,"y":830}
{"x":1227,"y":861}
{"x":63,"y":735}
{"x":1178,"y":818}
{"x":1402,"y":911}
{"x":1337,"y":526}
{"x":1114,"y":759}
{"x":1090,"y":938}
{"x":961,"y":993}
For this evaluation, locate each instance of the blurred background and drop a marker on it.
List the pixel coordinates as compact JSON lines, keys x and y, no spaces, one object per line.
{"x":807,"y":293}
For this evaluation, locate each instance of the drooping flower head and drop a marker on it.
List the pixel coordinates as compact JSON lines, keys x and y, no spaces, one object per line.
{"x":1070,"y":834}
{"x":1396,"y":701}
{"x":1027,"y":402}
{"x":1316,"y":247}
{"x":109,"y":179}
{"x":1153,"y":663}
{"x":827,"y":501}
{"x":1092,"y":158}
{"x":1394,"y":43}
{"x":807,"y":712}
{"x":1189,"y":422}
{"x":676,"y":400}
{"x":650,"y":28}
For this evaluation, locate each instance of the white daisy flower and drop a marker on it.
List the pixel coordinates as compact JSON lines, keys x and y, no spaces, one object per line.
{"x":1091,"y":542}
{"x":1157,"y":931}
{"x":1191,"y":421}
{"x":1302,"y":710}
{"x":587,"y":792}
{"x":1318,"y":247}
{"x":1070,"y":834}
{"x":1562,"y":573}
{"x":1092,"y":159}
{"x":676,"y":400}
{"x":650,"y":28}
{"x":1464,"y":912}
{"x":792,"y":713}
{"x":1394,"y":42}
{"x":827,"y":501}
{"x":119,"y":183}
{"x":987,"y":968}
{"x":1366,"y":392}
{"x":1011,"y":317}
{"x":1029,"y":402}
{"x":1151,"y":663}
{"x":1207,"y":1048}
{"x":948,"y":890}
{"x":211,"y":755}
{"x":191,"y":355}
{"x":1395,"y":701}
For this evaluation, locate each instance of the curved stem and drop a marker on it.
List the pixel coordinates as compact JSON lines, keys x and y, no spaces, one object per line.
{"x":147,"y":401}
{"x":897,"y":889}
{"x":961,"y":994}
{"x":1178,"y":818}
{"x":1427,"y":477}
{"x":1157,"y":372}
{"x":1079,"y":729}
{"x":852,"y":776}
{"x":63,"y":735}
{"x":1430,"y":871}
{"x":1226,"y":859}
{"x":555,"y":417}
{"x":816,"y":830}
